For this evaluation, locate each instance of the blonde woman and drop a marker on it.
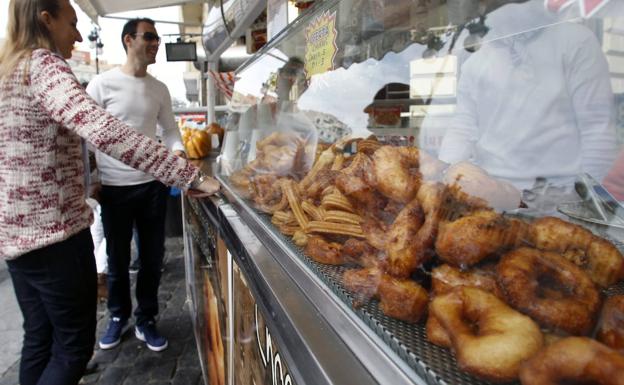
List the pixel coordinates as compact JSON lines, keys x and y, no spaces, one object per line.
{"x":44,"y":219}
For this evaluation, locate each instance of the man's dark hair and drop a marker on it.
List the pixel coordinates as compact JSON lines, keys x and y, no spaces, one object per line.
{"x":130,"y":28}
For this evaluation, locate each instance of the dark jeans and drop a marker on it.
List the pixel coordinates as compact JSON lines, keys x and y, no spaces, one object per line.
{"x":56,"y":290}
{"x":123,"y":206}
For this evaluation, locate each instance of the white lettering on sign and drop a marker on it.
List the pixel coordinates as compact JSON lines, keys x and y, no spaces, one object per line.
{"x":279,"y":373}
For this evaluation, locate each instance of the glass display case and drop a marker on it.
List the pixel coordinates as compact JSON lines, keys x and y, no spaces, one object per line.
{"x":436,"y":184}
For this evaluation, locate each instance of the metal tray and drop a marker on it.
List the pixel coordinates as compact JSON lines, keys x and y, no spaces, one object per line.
{"x":435,"y":364}
{"x":581,"y":211}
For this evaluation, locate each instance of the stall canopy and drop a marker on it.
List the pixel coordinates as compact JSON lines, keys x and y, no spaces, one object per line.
{"x":95,"y":8}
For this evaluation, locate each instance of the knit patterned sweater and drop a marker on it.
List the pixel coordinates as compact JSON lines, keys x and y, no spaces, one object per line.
{"x":44,"y":112}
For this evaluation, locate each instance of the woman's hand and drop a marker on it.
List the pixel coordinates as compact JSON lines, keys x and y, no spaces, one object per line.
{"x":209,"y":186}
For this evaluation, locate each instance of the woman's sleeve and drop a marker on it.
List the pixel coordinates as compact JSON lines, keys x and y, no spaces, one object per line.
{"x":58,"y":92}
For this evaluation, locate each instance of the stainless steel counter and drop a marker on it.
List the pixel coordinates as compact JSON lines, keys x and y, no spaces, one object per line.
{"x":317,"y":336}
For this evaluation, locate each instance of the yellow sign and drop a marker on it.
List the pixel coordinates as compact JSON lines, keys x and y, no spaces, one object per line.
{"x":321,"y":44}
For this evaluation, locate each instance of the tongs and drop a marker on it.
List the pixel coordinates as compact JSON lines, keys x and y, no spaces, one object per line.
{"x":607,"y":208}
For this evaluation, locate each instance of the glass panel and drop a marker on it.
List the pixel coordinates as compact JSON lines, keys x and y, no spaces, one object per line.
{"x":516,"y":110}
{"x":527,"y":91}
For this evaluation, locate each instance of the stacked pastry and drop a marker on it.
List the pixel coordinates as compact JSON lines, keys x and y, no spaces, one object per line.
{"x":511,"y":298}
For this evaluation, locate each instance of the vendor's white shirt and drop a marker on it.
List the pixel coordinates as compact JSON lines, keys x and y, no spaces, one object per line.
{"x":144,"y":104}
{"x":537,"y":104}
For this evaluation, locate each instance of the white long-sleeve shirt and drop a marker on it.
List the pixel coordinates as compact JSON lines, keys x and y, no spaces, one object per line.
{"x":536,"y":104}
{"x":144,"y":104}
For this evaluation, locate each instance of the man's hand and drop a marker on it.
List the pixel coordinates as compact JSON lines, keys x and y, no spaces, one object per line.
{"x":208,"y":187}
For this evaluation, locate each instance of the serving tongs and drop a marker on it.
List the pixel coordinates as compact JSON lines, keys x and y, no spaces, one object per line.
{"x":599,"y":200}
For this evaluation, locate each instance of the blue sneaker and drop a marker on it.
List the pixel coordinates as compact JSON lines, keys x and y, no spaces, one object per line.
{"x":112,"y":337}
{"x":148,"y":334}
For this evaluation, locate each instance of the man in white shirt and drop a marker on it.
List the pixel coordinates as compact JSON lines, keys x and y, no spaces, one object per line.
{"x":130,"y":196}
{"x":534,"y":101}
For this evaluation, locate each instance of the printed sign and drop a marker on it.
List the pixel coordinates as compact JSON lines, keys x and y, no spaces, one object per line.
{"x":257,"y":357}
{"x":321,"y":45}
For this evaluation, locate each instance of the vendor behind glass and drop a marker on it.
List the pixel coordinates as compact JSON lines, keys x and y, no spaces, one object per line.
{"x":535,"y":101}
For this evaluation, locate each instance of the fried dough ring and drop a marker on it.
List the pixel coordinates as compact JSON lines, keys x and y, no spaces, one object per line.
{"x":602,"y":261}
{"x":357,"y":183}
{"x":611,"y":324}
{"x":497,"y":339}
{"x":361,"y":252}
{"x":363,"y":283}
{"x":375,"y":231}
{"x":436,"y":334}
{"x":322,"y":251}
{"x":402,"y":299}
{"x":396,"y":172}
{"x":411,"y":236}
{"x":400,"y":245}
{"x":552,"y":290}
{"x":281,"y":204}
{"x":445,"y":277}
{"x":574,"y":360}
{"x":480,"y":235}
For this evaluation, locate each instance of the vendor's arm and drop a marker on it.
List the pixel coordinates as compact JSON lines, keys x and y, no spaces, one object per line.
{"x":476,"y":182}
{"x":614,"y":181}
{"x":459,"y":140}
{"x":590,"y":88}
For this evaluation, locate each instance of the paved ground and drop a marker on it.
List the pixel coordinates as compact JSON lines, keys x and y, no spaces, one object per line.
{"x":131,"y":363}
{"x":10,"y":323}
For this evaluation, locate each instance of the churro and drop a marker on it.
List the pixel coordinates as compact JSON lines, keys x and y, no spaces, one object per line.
{"x":314,"y":212}
{"x":295,"y":206}
{"x":338,"y":162}
{"x":328,"y":190}
{"x":325,"y":160}
{"x":289,"y":229}
{"x":342,"y":217}
{"x":368,"y":146}
{"x":283,"y":217}
{"x":300,"y":238}
{"x":336,"y":201}
{"x":334,"y":228}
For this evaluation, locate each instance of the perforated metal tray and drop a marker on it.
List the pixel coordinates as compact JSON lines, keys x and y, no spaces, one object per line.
{"x":435,"y":364}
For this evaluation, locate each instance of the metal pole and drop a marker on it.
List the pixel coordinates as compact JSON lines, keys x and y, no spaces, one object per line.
{"x":211,"y":91}
{"x":97,"y":61}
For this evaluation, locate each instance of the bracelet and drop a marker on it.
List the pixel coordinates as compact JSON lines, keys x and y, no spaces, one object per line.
{"x":201,"y":177}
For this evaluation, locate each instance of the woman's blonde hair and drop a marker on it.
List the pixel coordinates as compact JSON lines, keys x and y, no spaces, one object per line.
{"x":25,"y":32}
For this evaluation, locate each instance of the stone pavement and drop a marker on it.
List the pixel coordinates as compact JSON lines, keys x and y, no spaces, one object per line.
{"x":10,"y":323}
{"x":132,"y":363}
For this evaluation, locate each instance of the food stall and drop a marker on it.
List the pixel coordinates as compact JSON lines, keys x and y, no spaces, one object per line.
{"x":412,"y":195}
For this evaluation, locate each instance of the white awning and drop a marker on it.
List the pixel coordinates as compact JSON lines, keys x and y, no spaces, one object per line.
{"x":95,"y":8}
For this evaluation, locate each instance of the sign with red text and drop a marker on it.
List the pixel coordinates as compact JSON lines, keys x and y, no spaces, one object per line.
{"x":321,"y":45}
